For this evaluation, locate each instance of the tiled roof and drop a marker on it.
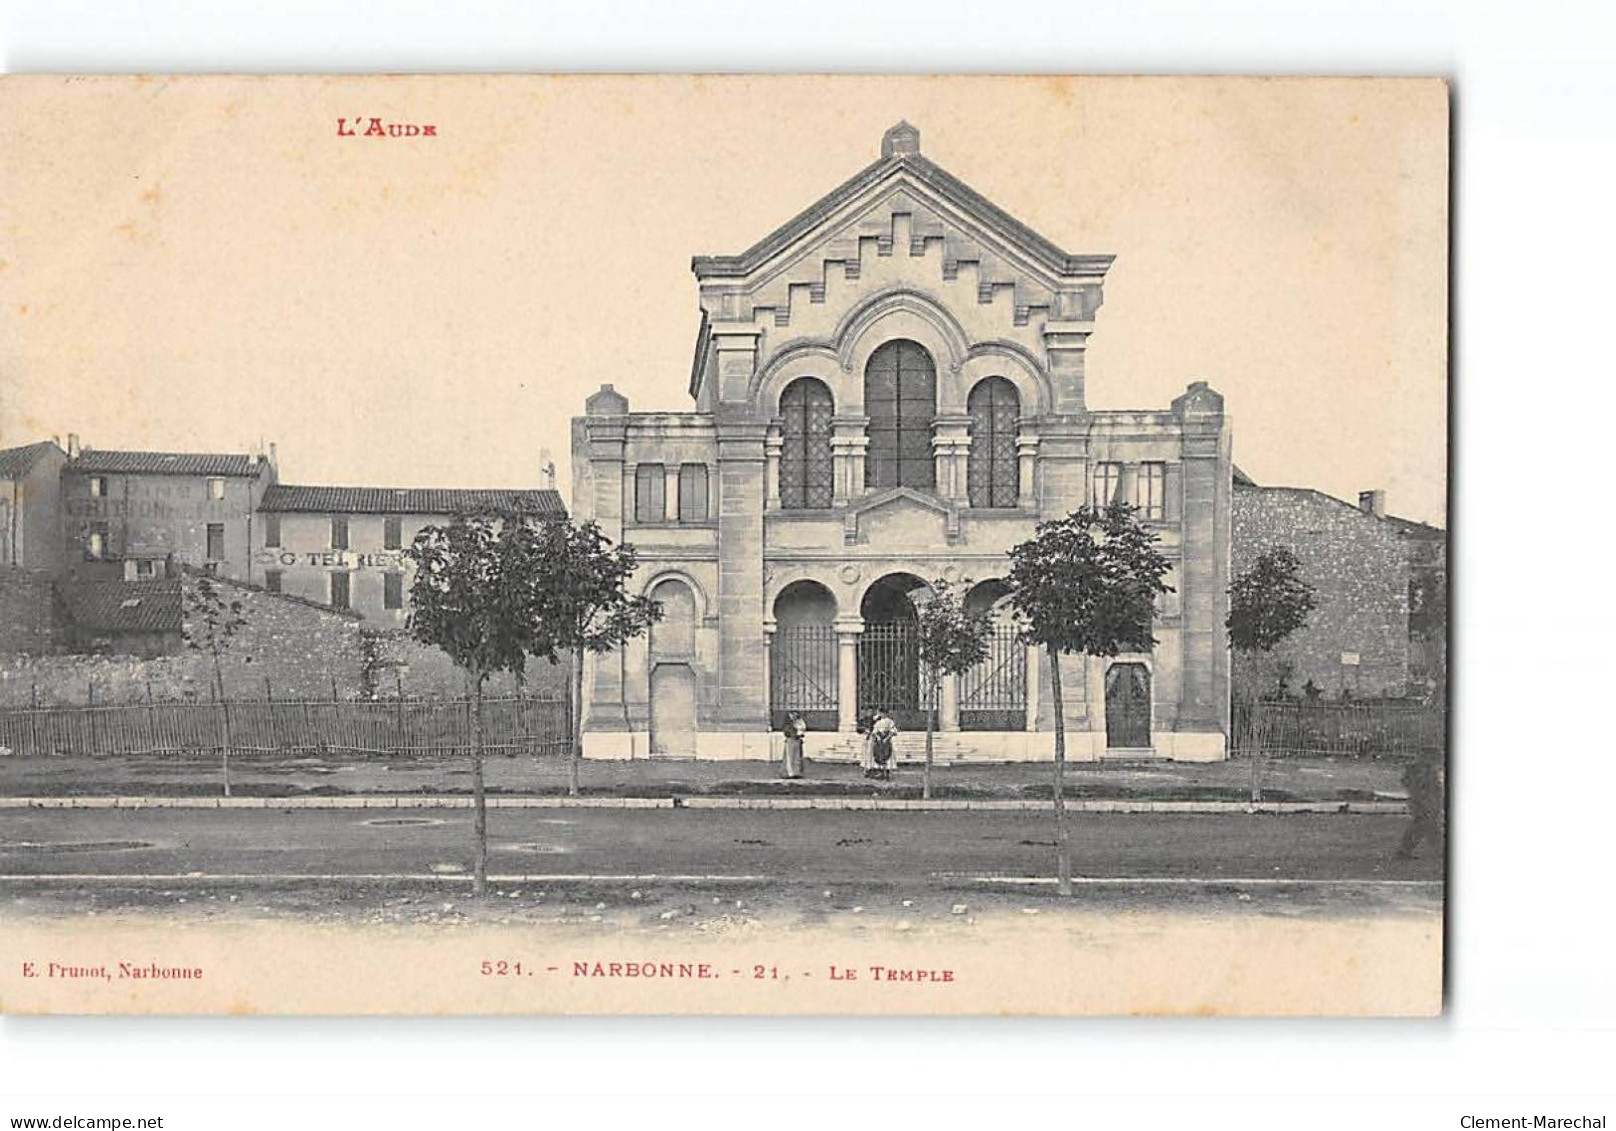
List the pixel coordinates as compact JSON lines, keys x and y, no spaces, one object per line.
{"x":125,"y":606}
{"x":164,"y":463}
{"x":17,"y":462}
{"x":406,"y":500}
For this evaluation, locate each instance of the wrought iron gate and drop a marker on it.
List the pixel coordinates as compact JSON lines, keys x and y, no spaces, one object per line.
{"x":889,"y":673}
{"x":993,"y":695}
{"x":802,"y":666}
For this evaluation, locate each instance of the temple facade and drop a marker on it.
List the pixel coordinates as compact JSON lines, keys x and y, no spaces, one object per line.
{"x":889,"y":389}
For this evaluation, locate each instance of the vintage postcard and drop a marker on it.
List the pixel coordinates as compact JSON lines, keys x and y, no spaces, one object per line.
{"x":723,"y":544}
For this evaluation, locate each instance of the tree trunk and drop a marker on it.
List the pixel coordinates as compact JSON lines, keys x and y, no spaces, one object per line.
{"x":479,"y":876}
{"x":224,"y":714}
{"x":575,"y":755}
{"x":931,"y":725}
{"x":1063,"y":839}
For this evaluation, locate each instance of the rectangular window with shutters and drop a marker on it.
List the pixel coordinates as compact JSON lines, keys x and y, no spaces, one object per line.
{"x":215,"y":489}
{"x":393,"y":590}
{"x":95,"y":541}
{"x":339,"y":591}
{"x":272,"y":580}
{"x":339,"y":532}
{"x":215,"y":541}
{"x":650,"y":493}
{"x":692,"y":492}
{"x":1150,"y":491}
{"x":98,"y":487}
{"x":272,"y":530}
{"x":1107,"y":484}
{"x":392,"y":535}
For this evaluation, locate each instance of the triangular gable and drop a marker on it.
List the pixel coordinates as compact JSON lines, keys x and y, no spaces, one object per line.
{"x":906,"y":198}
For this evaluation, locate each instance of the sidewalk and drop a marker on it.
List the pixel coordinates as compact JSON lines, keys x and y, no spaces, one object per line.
{"x":1290,"y":781}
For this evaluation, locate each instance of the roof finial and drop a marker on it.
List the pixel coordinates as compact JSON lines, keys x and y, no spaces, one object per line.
{"x":902,"y":140}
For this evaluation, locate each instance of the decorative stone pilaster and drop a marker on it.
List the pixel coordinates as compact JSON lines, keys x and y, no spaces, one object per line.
{"x":773,"y":442}
{"x":849,"y":440}
{"x":951,"y":446}
{"x":948,"y":706}
{"x":1065,"y":345}
{"x":769,"y":625}
{"x":670,"y":492}
{"x":735,"y":347}
{"x":848,"y":631}
{"x":1026,"y":468}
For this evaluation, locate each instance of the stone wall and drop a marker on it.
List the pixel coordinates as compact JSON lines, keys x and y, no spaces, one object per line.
{"x":30,"y":621}
{"x":1358,"y":566}
{"x":289,"y":649}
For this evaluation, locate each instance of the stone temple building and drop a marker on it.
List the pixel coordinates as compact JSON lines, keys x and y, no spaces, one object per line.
{"x":889,"y":389}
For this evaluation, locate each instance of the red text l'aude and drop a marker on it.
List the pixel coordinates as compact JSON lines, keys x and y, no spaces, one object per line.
{"x":376,"y":127}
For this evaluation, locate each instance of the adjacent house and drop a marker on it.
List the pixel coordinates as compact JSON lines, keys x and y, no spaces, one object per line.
{"x":138,"y":515}
{"x":343,"y":547}
{"x":1379,"y":627}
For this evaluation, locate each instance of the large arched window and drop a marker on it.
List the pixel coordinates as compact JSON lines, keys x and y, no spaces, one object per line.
{"x":995,"y":409}
{"x":805,"y":464}
{"x":900,"y":397}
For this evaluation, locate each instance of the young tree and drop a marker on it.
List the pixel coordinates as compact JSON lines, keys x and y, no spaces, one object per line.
{"x":1267,"y":603}
{"x":474,"y":596}
{"x":211,"y":623}
{"x":952,"y":641}
{"x":1087,"y":585}
{"x":583,"y":606}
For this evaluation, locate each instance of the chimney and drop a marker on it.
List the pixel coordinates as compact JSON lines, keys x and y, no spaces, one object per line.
{"x":72,"y":445}
{"x":1372,"y":502}
{"x":274,"y":459}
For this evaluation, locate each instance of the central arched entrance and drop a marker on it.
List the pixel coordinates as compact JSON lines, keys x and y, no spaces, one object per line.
{"x":889,"y":651}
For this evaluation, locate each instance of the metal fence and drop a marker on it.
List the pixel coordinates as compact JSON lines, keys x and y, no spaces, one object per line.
{"x":993,"y":694}
{"x":1369,"y":730}
{"x":802,"y":666}
{"x":513,"y":724}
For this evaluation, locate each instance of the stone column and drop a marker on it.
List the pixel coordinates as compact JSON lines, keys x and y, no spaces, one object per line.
{"x":670,"y":492}
{"x":742,"y":697}
{"x":951,"y":445}
{"x":773,"y":442}
{"x":769,"y":626}
{"x":1203,"y":574}
{"x":949,"y":706}
{"x":1034,"y":683}
{"x":1130,"y":483}
{"x":1026,"y":466}
{"x":848,"y":632}
{"x":1066,"y":337}
{"x":849,"y":439}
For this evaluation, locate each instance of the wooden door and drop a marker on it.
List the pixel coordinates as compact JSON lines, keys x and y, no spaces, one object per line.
{"x":1127,"y":706}
{"x":673,"y":710}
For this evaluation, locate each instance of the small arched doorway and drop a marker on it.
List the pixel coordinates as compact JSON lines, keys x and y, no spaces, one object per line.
{"x":889,"y":651}
{"x":672,"y":649}
{"x":1127,"y":707}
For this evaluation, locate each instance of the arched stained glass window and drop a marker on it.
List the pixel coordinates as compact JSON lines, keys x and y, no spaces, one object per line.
{"x":900,"y":398}
{"x":805,"y":464}
{"x":990,"y":470}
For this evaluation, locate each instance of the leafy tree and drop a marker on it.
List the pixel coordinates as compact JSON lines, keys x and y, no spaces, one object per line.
{"x":211,"y":622}
{"x":475,"y":597}
{"x":1267,"y":603}
{"x":583,"y":606}
{"x":952,"y":641}
{"x":1086,"y":585}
